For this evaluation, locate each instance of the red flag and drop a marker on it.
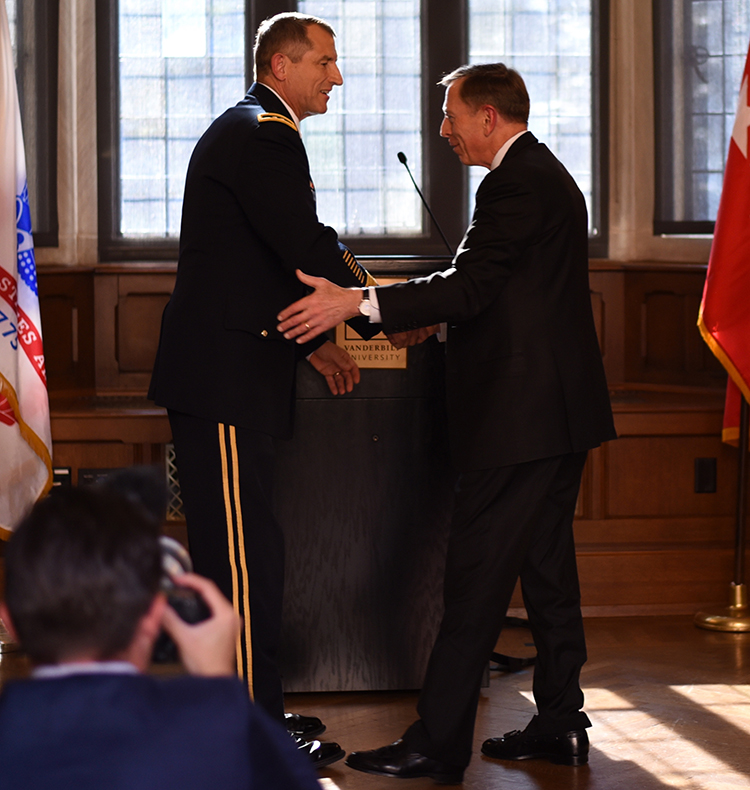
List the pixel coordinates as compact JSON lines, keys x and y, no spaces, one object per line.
{"x":724,"y":318}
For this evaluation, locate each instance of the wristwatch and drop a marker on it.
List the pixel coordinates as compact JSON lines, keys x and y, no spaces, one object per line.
{"x":365,"y":306}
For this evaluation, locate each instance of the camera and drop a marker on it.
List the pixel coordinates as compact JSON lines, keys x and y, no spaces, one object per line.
{"x":184,"y":600}
{"x":144,"y":488}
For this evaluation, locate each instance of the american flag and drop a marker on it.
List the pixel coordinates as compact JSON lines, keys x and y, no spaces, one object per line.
{"x":25,"y":441}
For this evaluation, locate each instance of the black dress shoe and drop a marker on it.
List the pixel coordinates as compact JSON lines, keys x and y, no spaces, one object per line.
{"x":304,"y":726}
{"x":321,"y":754}
{"x":400,"y":761}
{"x":568,"y":748}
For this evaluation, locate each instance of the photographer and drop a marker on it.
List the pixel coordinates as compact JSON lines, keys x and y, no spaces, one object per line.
{"x":83,"y":573}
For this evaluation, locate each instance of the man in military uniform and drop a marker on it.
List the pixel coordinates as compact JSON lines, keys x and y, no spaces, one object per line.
{"x":223,"y":371}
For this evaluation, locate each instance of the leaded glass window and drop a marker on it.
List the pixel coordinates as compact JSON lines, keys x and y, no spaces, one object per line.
{"x":549,"y":43}
{"x":701,"y":49}
{"x":167,"y":68}
{"x":361,"y":186}
{"x":181,"y":64}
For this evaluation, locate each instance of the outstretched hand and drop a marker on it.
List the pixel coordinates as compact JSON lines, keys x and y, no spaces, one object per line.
{"x":337,"y":366}
{"x":321,"y":310}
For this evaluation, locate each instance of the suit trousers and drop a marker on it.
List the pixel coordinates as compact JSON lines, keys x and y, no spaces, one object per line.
{"x":508,"y":522}
{"x":226,"y":479}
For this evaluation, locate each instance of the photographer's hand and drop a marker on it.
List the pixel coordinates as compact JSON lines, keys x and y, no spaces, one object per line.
{"x":206,"y":648}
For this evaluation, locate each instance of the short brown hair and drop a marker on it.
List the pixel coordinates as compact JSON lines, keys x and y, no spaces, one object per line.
{"x":494,"y":84}
{"x":81,"y":569}
{"x":286,"y":33}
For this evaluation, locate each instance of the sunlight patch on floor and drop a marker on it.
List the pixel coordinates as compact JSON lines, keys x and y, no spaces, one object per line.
{"x":596,"y":699}
{"x":681,"y":752}
{"x":730,"y":702}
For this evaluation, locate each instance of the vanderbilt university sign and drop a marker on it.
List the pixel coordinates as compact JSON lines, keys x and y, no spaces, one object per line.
{"x":374,"y":353}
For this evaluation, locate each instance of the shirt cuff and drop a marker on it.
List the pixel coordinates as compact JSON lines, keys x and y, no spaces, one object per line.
{"x":375,"y":317}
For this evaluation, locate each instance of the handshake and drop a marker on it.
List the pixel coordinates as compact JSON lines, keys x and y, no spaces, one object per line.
{"x":328,"y":306}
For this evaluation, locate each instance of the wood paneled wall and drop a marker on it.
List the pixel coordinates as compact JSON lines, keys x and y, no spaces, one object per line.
{"x":129,"y":304}
{"x":646,"y":541}
{"x":66,"y":299}
{"x":646,"y":315}
{"x":101,"y":329}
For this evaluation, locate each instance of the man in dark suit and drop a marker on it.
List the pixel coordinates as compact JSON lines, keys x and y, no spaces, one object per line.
{"x":224,"y":372}
{"x":527,"y":398}
{"x":83,"y":573}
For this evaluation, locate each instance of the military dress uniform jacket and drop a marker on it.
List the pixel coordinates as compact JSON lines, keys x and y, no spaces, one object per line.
{"x":248,"y":221}
{"x":122,"y":732}
{"x":525,"y":378}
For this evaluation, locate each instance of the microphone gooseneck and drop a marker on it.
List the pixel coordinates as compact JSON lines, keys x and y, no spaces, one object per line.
{"x":402,"y":158}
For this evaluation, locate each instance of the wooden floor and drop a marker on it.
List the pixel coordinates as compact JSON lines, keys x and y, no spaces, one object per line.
{"x":670,"y":705}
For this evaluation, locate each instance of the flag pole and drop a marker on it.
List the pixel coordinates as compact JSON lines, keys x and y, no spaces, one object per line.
{"x":735,"y":617}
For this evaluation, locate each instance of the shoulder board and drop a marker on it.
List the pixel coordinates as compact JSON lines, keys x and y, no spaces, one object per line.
{"x":274,"y":116}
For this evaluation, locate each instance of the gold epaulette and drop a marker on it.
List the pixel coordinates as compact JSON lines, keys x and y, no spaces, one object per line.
{"x":274,"y":116}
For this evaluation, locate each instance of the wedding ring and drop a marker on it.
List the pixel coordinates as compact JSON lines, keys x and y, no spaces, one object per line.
{"x":307,"y":326}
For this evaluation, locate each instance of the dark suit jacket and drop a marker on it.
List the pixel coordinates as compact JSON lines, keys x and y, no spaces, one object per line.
{"x":525,"y":378}
{"x":134,"y":732}
{"x":248,"y":221}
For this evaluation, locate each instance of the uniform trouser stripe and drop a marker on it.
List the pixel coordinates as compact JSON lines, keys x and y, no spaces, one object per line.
{"x":230,"y":538}
{"x":236,"y":547}
{"x":227,"y":488}
{"x":243,"y":560}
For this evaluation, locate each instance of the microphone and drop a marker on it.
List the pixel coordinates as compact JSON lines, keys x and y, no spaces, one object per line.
{"x":402,"y":159}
